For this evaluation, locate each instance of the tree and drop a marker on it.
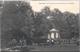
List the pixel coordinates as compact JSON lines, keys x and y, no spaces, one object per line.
{"x":42,"y":24}
{"x":66,"y":23}
{"x":16,"y":17}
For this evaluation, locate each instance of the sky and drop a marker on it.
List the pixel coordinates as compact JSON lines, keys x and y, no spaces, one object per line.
{"x":63,"y":5}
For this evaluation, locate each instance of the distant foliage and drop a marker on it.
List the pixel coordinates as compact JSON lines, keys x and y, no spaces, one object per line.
{"x":66,"y":23}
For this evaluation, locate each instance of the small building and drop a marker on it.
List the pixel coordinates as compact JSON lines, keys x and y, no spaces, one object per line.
{"x":53,"y":35}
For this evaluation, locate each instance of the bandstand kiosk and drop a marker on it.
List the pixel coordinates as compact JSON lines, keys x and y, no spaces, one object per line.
{"x":53,"y":35}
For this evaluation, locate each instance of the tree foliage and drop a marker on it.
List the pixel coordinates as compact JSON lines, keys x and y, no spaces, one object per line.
{"x":16,"y":19}
{"x":66,"y":23}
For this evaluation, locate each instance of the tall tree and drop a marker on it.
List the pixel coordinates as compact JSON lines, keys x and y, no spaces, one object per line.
{"x":16,"y":18}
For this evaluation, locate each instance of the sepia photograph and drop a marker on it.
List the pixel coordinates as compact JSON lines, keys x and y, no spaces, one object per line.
{"x":39,"y":26}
